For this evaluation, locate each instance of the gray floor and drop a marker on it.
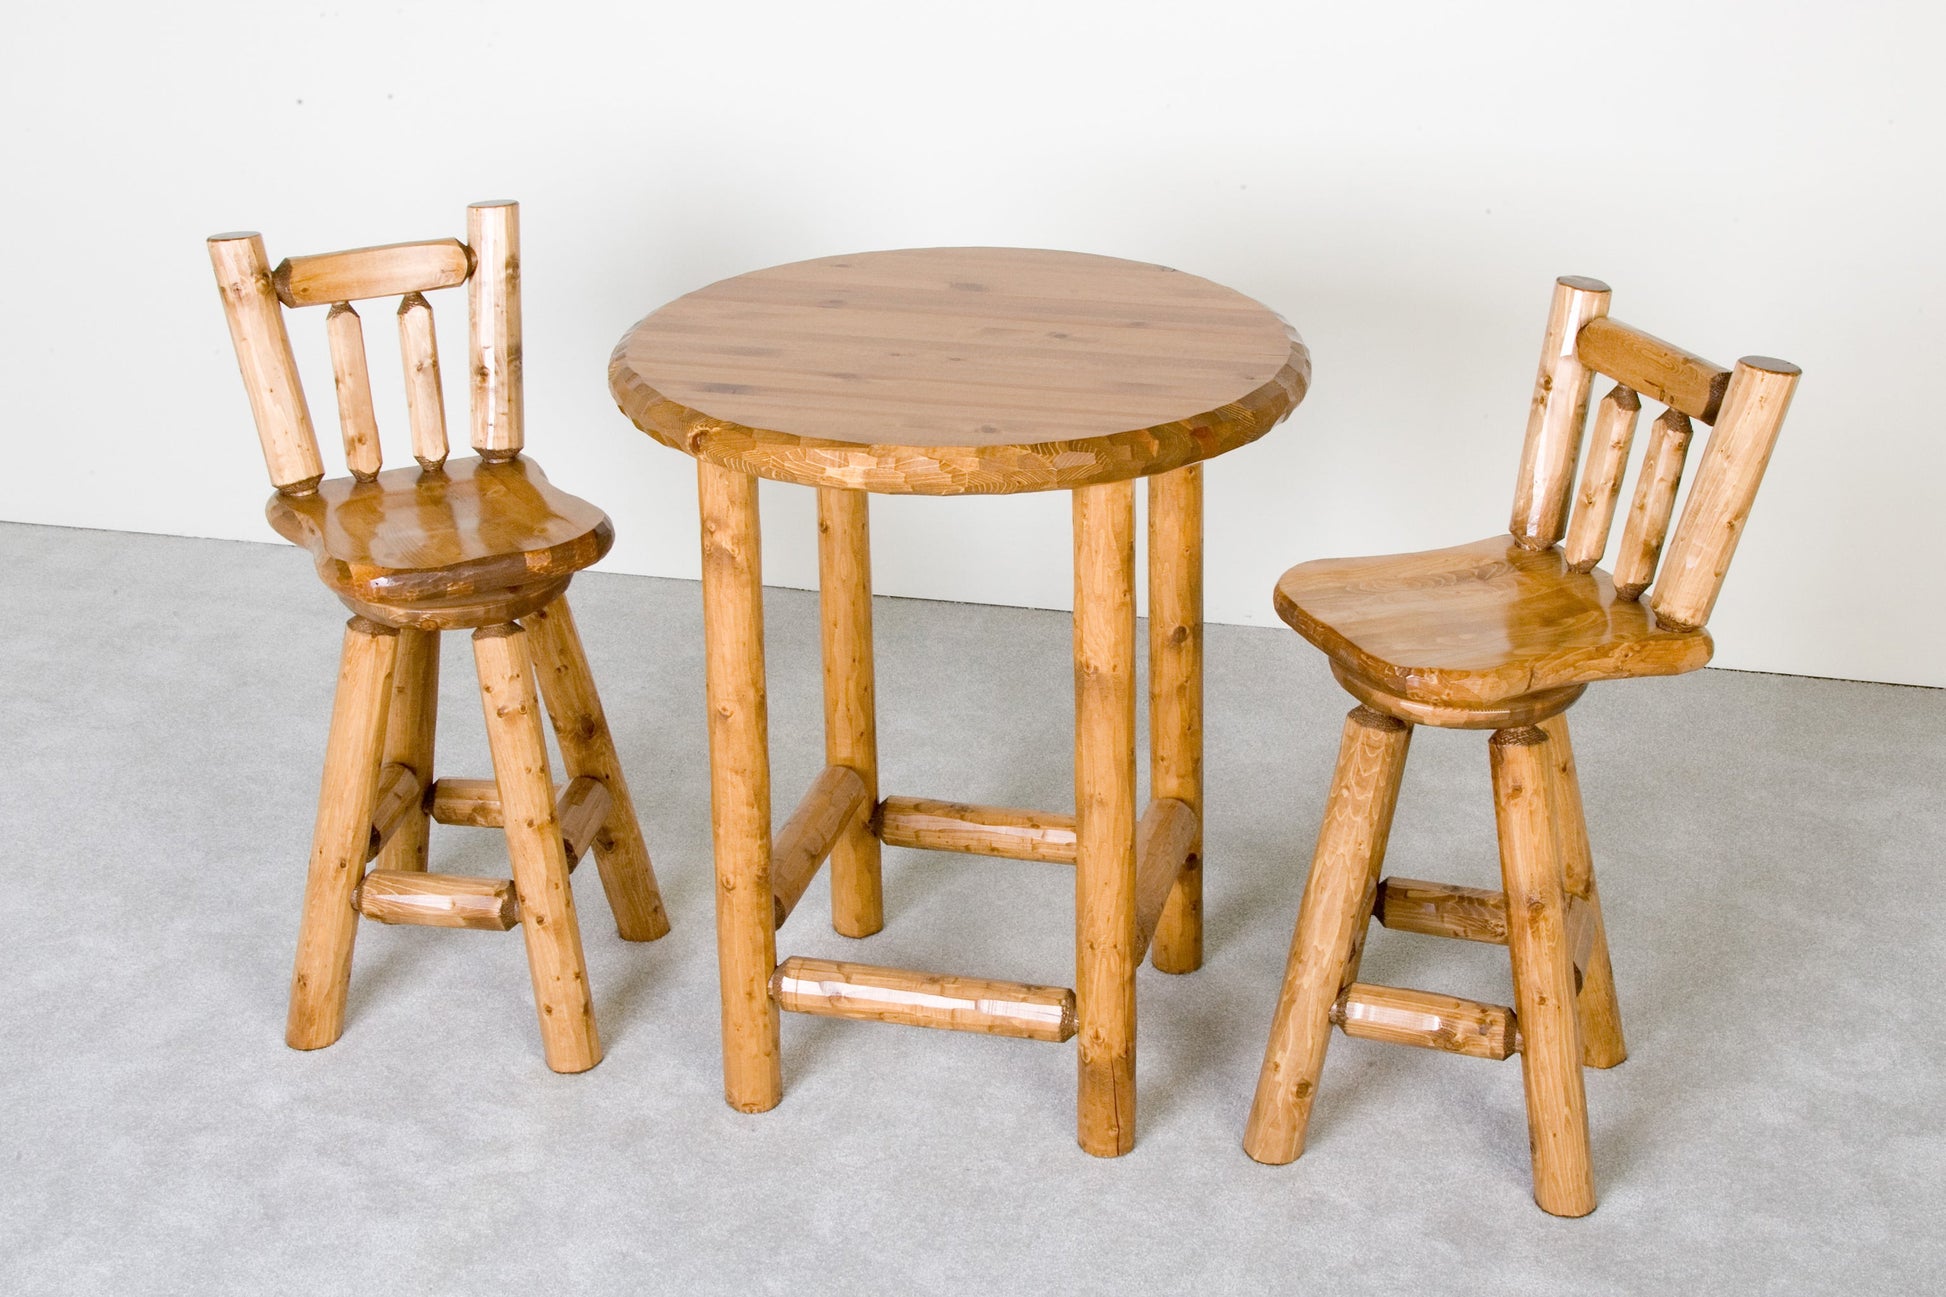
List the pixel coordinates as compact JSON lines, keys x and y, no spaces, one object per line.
{"x":1769,"y":848}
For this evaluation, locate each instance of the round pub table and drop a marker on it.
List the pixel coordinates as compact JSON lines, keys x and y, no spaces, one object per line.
{"x":956,"y":371}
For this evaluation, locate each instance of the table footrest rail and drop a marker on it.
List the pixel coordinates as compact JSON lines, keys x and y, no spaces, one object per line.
{"x":918,"y":999}
{"x":977,"y":830}
{"x":808,"y":836}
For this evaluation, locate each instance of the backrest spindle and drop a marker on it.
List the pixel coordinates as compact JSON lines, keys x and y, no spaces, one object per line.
{"x":263,"y":351}
{"x":1739,"y":448}
{"x":1556,"y":418}
{"x":493,"y":231}
{"x":425,"y":397}
{"x":1655,"y":503}
{"x":1601,"y":481}
{"x":356,"y":418}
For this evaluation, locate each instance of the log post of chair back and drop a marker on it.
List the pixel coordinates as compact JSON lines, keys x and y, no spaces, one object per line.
{"x":1726,"y":484}
{"x":1555,"y":420}
{"x":263,"y":351}
{"x":493,"y":232}
{"x":425,"y":396}
{"x":353,"y":378}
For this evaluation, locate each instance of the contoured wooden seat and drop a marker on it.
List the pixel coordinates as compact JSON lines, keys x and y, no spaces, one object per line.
{"x":482,"y":543}
{"x":1505,"y":634}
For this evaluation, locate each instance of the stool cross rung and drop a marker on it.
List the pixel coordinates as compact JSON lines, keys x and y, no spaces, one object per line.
{"x":977,"y":830}
{"x":808,"y":836}
{"x":1427,"y":1020}
{"x":1442,"y":910}
{"x":918,"y":999}
{"x":581,"y":807}
{"x":437,"y":900}
{"x":399,"y":790}
{"x":1163,"y":841}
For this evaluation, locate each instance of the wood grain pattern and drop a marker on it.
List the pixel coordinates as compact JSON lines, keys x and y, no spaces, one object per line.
{"x":357,"y":421}
{"x":409,"y":536}
{"x":263,"y":352}
{"x":1596,"y":1003}
{"x":850,"y":702}
{"x":1659,"y":370}
{"x":1726,"y":486}
{"x":1556,"y":416}
{"x":1176,"y":697}
{"x":739,"y":756}
{"x":581,"y":812}
{"x":1601,"y":480}
{"x":390,"y":270}
{"x":1544,"y":992}
{"x":1478,"y":624}
{"x":1104,"y":801}
{"x":1654,"y":504}
{"x":1331,"y":921}
{"x":916,"y":999}
{"x":1441,"y":910}
{"x":947,"y":371}
{"x":1005,"y":831}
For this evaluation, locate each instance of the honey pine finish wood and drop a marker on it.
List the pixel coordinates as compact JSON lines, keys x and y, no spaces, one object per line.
{"x":952,"y":371}
{"x":482,"y":544}
{"x":1504,"y":635}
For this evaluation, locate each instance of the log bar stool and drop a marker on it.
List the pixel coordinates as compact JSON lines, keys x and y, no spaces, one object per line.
{"x":482,"y":544}
{"x":1503,"y":635}
{"x":955,"y":371}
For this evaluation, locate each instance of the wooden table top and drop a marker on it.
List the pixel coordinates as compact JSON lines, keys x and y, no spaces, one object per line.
{"x":949,"y":371}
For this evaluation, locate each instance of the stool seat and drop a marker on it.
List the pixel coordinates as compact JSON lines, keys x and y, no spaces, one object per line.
{"x":462,"y":535}
{"x":1480,"y":624}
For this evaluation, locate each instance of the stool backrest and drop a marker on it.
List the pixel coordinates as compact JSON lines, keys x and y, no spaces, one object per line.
{"x":1746,"y":405}
{"x":255,"y":297}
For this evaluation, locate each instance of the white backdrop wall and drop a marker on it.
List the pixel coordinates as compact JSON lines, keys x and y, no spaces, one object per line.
{"x":1401,"y":181}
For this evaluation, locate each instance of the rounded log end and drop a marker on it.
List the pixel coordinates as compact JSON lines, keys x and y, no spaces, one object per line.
{"x":1769,"y":365}
{"x":495,"y":202}
{"x":235,"y":236}
{"x":1583,"y":284}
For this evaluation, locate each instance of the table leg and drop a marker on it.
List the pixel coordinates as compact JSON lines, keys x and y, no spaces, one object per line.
{"x":850,"y":715}
{"x":1176,"y":694}
{"x":739,"y":758}
{"x":1104,"y":798}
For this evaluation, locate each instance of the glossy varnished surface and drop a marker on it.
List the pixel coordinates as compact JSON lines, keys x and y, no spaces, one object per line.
{"x":946,"y":371}
{"x":474,"y":528}
{"x":1479,"y":624}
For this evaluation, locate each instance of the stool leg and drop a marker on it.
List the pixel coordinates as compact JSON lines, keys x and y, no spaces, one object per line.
{"x":587,"y":748}
{"x":1600,"y":1012}
{"x":739,"y":762}
{"x":1550,"y":1058}
{"x":1331,"y":923}
{"x":1104,"y":803}
{"x":409,"y":733}
{"x":1176,"y":695}
{"x":540,"y":864}
{"x":343,"y":834}
{"x":850,"y":715}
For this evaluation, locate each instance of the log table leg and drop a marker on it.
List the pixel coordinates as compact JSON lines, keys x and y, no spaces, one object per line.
{"x":1330,"y":933}
{"x":518,"y":743}
{"x":1104,"y":796}
{"x":850,"y":716}
{"x":739,"y":754}
{"x":1176,"y":695}
{"x":1537,"y":939}
{"x":409,"y":741}
{"x":322,"y":973}
{"x":587,"y":748}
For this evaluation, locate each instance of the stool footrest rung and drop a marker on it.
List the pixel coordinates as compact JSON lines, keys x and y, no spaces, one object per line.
{"x":1428,"y":1020}
{"x":581,"y":812}
{"x":1163,"y":841}
{"x":437,"y":900}
{"x":1442,"y":910}
{"x":808,"y":836}
{"x":581,"y":808}
{"x":865,"y":991}
{"x":977,"y":830}
{"x":474,"y":802}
